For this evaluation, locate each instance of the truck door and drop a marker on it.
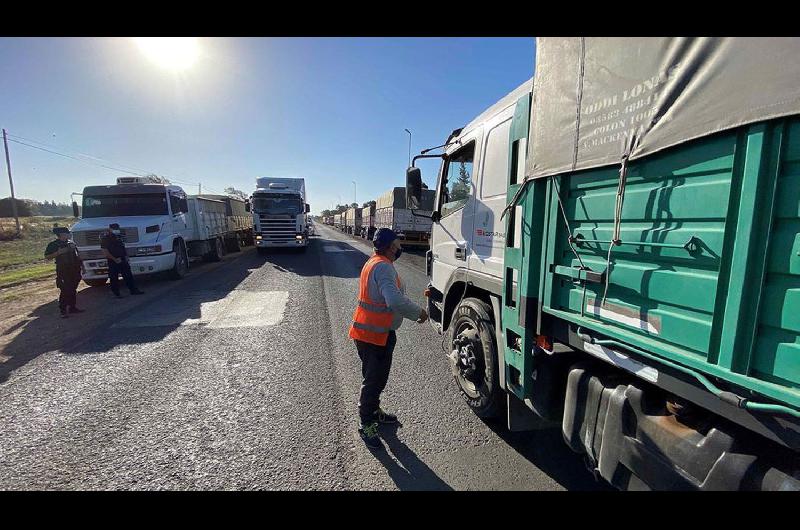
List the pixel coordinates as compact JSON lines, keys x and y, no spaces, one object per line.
{"x":179,"y":209}
{"x":456,"y":202}
{"x":488,"y":237}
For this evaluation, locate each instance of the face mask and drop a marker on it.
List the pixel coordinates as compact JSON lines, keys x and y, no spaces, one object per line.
{"x":115,"y":232}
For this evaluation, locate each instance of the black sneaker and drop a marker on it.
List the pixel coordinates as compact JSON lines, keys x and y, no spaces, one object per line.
{"x":118,"y":295}
{"x":137,"y":291}
{"x":369,"y":433}
{"x":76,"y":310}
{"x":385,"y":418}
{"x":64,"y":314}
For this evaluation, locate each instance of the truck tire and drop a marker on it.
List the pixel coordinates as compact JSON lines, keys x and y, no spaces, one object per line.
{"x":217,"y":250}
{"x":96,"y":283}
{"x":234,"y":244}
{"x":181,"y":266}
{"x":475,"y":367}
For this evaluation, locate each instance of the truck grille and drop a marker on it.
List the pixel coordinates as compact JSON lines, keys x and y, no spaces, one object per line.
{"x":279,"y":230}
{"x":86,"y":238}
{"x":91,"y":254}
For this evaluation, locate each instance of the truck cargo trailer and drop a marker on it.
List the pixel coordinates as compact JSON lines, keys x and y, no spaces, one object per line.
{"x":353,"y":221}
{"x":391,"y":212}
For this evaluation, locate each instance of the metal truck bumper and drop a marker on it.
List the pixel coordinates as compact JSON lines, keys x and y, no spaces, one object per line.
{"x":294,"y":243}
{"x":97,"y":269}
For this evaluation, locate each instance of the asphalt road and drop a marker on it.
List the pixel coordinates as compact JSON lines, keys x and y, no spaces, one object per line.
{"x":241,"y":376}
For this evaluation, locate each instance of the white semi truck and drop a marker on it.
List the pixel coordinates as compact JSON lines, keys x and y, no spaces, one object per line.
{"x":280,"y":213}
{"x":161,"y":226}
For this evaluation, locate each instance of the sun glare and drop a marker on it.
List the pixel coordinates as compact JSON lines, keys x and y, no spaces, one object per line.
{"x":172,"y":53}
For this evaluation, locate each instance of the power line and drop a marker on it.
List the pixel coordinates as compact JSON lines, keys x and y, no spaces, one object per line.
{"x":122,"y":169}
{"x":79,"y":153}
{"x":74,"y":158}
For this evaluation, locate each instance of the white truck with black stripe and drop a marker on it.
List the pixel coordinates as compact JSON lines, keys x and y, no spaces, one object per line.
{"x":161,"y":226}
{"x":280,"y":213}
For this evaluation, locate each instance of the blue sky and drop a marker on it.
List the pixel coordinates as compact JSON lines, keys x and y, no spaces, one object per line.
{"x":330,"y":109}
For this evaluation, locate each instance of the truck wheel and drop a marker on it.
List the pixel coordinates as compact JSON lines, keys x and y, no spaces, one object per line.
{"x":475,"y":364}
{"x":181,"y":267}
{"x":234,"y":245}
{"x":96,"y":283}
{"x":217,"y":250}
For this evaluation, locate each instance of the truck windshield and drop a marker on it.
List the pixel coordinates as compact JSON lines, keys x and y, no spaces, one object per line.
{"x":277,"y":204}
{"x":124,"y":205}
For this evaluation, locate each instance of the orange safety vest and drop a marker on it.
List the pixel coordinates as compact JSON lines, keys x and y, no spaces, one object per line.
{"x":371,"y":321}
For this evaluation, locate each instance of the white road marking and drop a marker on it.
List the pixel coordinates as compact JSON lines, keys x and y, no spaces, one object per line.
{"x":252,"y":309}
{"x":237,"y":310}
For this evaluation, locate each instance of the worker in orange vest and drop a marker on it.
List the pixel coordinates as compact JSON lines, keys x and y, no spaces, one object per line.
{"x":382,"y":306}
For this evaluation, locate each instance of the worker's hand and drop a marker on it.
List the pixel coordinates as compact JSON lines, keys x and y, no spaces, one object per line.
{"x":422,"y":317}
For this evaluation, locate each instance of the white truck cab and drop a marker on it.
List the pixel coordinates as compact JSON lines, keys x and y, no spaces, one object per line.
{"x":468,"y":234}
{"x":467,"y":245}
{"x":152,"y":215}
{"x":280,"y":213}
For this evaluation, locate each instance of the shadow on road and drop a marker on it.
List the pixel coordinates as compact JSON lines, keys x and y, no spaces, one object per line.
{"x":97,"y":330}
{"x":342,"y":259}
{"x":408,"y":472}
{"x":545,"y":448}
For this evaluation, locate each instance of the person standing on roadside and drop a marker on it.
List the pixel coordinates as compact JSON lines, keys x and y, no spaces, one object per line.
{"x":68,"y":270}
{"x":382,"y":306}
{"x":117,"y":257}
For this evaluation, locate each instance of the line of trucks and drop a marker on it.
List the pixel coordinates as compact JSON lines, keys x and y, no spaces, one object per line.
{"x":164,"y":228}
{"x":625,"y":263}
{"x":388,"y":211}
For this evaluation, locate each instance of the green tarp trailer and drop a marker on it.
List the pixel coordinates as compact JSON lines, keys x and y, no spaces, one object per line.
{"x":654,"y":225}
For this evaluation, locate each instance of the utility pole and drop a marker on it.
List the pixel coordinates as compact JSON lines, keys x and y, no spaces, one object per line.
{"x":409,"y":147}
{"x":199,"y":188}
{"x":11,"y":183}
{"x":354,"y":192}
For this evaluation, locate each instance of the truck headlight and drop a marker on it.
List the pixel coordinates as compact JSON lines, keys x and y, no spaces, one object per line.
{"x":258,"y":237}
{"x":298,"y":237}
{"x":144,"y":251}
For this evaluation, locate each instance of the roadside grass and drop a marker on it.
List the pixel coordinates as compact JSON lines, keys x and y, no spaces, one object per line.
{"x":22,"y":259}
{"x":26,"y":274}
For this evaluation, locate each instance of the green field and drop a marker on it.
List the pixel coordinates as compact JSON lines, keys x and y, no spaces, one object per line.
{"x":22,"y":259}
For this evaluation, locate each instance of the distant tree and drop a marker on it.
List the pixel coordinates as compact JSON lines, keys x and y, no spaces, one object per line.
{"x":368,"y":203}
{"x":23,"y":208}
{"x":159,"y":179}
{"x":236,"y":193}
{"x":461,"y":186}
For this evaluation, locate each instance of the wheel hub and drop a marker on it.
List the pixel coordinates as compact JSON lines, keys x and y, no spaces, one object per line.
{"x":465,"y":358}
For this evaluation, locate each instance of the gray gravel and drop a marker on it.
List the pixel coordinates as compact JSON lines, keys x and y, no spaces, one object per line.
{"x":203,"y":406}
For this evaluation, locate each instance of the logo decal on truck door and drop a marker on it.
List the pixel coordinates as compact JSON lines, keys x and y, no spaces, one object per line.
{"x":486,"y":233}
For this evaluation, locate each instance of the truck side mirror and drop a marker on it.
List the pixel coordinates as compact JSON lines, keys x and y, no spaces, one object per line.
{"x":75,"y":212}
{"x":413,"y":188}
{"x":308,"y":208}
{"x":246,"y":206}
